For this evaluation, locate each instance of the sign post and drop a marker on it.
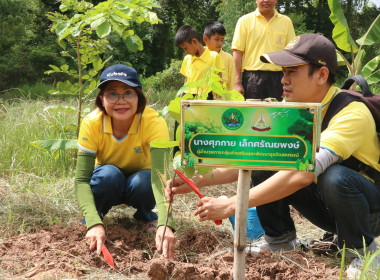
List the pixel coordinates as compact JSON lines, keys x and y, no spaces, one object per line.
{"x":247,"y":136}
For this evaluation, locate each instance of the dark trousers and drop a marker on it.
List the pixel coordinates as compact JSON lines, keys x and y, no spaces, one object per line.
{"x":111,"y":187}
{"x":262,"y":84}
{"x":343,"y":202}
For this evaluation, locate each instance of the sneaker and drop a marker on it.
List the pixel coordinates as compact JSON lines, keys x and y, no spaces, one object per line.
{"x":258,"y":246}
{"x":355,"y":269}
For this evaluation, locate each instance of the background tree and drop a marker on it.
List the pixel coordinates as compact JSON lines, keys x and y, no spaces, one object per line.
{"x":26,"y":45}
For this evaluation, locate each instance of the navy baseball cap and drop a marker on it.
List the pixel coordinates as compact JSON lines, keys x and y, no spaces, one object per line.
{"x":306,"y":48}
{"x":122,"y":73}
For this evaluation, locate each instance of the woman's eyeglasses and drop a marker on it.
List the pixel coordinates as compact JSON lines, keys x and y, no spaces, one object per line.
{"x":113,"y":97}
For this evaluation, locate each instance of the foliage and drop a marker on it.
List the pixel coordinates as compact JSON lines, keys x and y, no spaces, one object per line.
{"x":81,"y":29}
{"x":162,"y":87}
{"x":26,"y":47}
{"x":230,"y":11}
{"x":344,"y":41}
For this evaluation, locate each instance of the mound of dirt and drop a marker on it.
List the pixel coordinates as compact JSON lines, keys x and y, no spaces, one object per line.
{"x":62,"y":251}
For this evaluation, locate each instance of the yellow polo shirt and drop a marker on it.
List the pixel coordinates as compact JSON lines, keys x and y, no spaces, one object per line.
{"x":254,"y":36}
{"x":229,"y":67}
{"x":131,"y":153}
{"x":352,"y":131}
{"x":196,"y":68}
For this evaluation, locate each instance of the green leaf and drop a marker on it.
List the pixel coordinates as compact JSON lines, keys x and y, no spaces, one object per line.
{"x":132,"y":43}
{"x":175,"y":109}
{"x":55,"y":144}
{"x":103,"y":30}
{"x":370,"y":66}
{"x":374,"y":78}
{"x":119,"y":19}
{"x":189,"y":171}
{"x":62,"y":27}
{"x":341,"y":33}
{"x":65,"y":67}
{"x":97,"y":22}
{"x":373,"y":34}
{"x":234,"y":95}
{"x":164,"y":144}
{"x":55,"y":68}
{"x":153,"y":18}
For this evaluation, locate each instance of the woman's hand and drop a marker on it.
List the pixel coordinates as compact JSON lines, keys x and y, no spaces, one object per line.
{"x":168,"y":247}
{"x":95,"y":238}
{"x":176,"y":186}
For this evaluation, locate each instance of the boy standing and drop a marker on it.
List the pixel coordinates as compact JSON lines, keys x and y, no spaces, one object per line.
{"x":213,"y":37}
{"x":198,"y":61}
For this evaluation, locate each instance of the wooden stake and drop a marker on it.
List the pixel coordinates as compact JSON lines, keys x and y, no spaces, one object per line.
{"x":240,"y":238}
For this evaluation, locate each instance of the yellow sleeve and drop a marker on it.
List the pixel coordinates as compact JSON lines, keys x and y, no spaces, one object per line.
{"x":87,"y":139}
{"x":239,"y":39}
{"x":158,"y":130}
{"x":185,"y":65}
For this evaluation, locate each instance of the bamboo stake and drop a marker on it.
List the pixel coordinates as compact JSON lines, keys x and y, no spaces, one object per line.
{"x":240,"y":238}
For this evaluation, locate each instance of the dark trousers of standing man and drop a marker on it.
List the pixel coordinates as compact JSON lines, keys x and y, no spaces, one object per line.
{"x":262,"y":84}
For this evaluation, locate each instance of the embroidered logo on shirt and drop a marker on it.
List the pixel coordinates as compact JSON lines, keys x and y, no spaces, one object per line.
{"x":84,"y":138}
{"x":138,"y":150}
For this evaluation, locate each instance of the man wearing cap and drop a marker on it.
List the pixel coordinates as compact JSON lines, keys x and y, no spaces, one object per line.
{"x":334,"y":197}
{"x":262,"y":31}
{"x":117,"y":160}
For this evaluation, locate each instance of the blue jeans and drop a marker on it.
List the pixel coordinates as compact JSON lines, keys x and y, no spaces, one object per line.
{"x":342,"y":202}
{"x":111,"y":187}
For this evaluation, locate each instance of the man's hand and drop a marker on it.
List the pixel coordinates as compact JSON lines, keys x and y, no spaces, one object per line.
{"x":176,"y":186}
{"x":95,"y":238}
{"x":239,"y":87}
{"x":209,"y":208}
{"x":168,"y":247}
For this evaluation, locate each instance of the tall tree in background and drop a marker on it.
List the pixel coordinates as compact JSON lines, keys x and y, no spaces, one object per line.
{"x":26,"y":45}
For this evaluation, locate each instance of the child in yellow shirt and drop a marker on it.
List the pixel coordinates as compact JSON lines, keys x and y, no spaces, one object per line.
{"x":198,"y":61}
{"x":213,"y":37}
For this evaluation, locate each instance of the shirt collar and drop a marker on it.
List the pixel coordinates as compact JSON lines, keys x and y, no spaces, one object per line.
{"x":331,"y":93}
{"x":257,"y":13}
{"x":203,"y":57}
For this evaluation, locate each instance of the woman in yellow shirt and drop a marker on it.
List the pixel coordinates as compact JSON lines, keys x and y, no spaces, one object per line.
{"x":115,"y":157}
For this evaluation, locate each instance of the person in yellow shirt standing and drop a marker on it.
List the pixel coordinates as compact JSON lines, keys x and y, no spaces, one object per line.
{"x":262,"y":31}
{"x":213,"y":37}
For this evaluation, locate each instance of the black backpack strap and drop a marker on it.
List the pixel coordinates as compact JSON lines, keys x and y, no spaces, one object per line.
{"x":340,"y":101}
{"x":361,"y":81}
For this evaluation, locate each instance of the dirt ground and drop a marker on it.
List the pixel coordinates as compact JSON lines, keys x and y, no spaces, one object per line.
{"x":61,"y":253}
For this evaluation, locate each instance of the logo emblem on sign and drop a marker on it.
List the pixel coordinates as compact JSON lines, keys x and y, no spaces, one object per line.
{"x":232,"y":119}
{"x":261,"y":121}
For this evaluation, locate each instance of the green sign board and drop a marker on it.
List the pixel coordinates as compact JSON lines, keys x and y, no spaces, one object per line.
{"x":250,"y":135}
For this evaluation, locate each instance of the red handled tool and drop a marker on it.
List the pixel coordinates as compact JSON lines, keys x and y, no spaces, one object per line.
{"x":107,"y":256}
{"x":195,"y":189}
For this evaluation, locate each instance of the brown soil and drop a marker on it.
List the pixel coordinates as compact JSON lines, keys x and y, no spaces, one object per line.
{"x":61,"y":252}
